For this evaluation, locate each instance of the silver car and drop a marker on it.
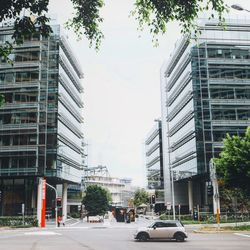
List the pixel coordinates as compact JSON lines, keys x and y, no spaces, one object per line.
{"x":162,"y":230}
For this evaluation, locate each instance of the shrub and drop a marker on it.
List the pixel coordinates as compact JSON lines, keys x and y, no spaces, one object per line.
{"x":17,"y":221}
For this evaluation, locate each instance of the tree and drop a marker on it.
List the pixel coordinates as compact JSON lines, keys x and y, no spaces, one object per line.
{"x":233,"y":163}
{"x":1,"y":100}
{"x":96,"y":200}
{"x":30,"y":16}
{"x":140,"y":196}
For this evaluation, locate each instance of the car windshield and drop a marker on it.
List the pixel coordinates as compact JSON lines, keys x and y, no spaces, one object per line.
{"x":152,"y":224}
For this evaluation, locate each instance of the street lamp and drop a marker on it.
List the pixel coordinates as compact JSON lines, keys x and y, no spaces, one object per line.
{"x":239,"y":7}
{"x":56,"y":200}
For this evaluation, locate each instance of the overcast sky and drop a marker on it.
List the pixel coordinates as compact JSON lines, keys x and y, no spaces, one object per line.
{"x":122,"y":87}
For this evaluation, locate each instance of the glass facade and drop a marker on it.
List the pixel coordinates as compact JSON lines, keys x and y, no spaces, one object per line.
{"x":154,"y":163}
{"x":205,"y":95}
{"x":41,"y":120}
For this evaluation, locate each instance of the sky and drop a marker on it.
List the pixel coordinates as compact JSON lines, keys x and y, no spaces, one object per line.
{"x":121,"y":87}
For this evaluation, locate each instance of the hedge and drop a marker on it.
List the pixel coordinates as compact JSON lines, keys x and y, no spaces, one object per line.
{"x":17,"y":221}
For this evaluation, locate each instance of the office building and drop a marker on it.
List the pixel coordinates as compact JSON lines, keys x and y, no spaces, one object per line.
{"x":205,"y":88}
{"x":41,"y":121}
{"x":154,"y":158}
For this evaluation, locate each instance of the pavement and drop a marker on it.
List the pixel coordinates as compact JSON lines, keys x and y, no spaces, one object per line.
{"x":140,"y":222}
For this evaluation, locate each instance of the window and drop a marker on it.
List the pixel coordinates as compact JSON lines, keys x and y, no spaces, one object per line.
{"x":170,"y":224}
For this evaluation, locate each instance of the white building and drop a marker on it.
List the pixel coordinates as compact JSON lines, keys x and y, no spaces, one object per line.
{"x":120,"y":189}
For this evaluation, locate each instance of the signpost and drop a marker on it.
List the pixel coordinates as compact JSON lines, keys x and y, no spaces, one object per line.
{"x":168,"y":205}
{"x":23,"y":209}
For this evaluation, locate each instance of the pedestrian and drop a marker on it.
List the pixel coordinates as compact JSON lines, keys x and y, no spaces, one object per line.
{"x":58,"y":220}
{"x":63,"y":220}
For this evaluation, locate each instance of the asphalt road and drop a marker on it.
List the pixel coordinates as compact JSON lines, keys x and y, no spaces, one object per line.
{"x":115,"y":237}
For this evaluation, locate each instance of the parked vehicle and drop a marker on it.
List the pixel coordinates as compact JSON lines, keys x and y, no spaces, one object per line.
{"x":162,"y":230}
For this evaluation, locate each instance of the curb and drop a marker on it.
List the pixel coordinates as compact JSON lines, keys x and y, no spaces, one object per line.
{"x":216,"y":231}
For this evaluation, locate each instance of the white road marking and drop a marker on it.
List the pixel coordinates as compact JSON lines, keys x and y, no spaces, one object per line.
{"x":74,"y":223}
{"x":42,"y":233}
{"x":244,"y":235}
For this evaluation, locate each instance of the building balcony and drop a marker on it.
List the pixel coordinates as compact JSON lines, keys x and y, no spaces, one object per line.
{"x":18,"y":171}
{"x":153,"y":148}
{"x":19,"y":85}
{"x":231,"y":102}
{"x":67,"y":141}
{"x":70,"y":55}
{"x":223,"y":82}
{"x":74,"y":95}
{"x":64,"y":100}
{"x":66,"y":67}
{"x":179,"y":106}
{"x":21,"y":105}
{"x":30,"y":126}
{"x":228,"y":61}
{"x":177,"y":73}
{"x":70,"y":125}
{"x":229,"y":123}
{"x":30,"y":64}
{"x":153,"y":161}
{"x":177,"y":55}
{"x":19,"y":148}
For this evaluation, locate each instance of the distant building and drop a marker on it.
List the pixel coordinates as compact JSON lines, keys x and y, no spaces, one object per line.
{"x":205,"y":88}
{"x":41,"y":122}
{"x":120,"y":188}
{"x":154,"y":157}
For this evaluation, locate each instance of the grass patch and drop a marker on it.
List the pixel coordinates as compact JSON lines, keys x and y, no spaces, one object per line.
{"x":224,"y":229}
{"x":241,"y":228}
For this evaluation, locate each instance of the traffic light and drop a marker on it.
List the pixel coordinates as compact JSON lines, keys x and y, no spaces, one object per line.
{"x":153,"y":199}
{"x":59,"y":202}
{"x":210,"y":190}
{"x":195,"y":215}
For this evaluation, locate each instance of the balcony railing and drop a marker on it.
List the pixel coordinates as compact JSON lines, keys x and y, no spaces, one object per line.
{"x":19,"y":148}
{"x":68,"y":52}
{"x":65,"y":65}
{"x":33,"y":126}
{"x":70,"y":125}
{"x":71,"y":92}
{"x":70,"y":108}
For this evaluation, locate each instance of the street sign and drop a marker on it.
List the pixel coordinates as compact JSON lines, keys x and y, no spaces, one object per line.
{"x":168,"y":205}
{"x":22,"y":208}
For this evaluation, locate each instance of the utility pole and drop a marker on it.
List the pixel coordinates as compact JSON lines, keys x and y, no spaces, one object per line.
{"x":216,"y":197}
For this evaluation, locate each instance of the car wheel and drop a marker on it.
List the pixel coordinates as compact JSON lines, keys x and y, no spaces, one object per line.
{"x":142,"y":237}
{"x":179,"y":237}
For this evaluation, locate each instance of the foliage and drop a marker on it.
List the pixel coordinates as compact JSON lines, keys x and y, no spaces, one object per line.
{"x":96,"y":200}
{"x":158,"y":13}
{"x":233,"y":163}
{"x":234,"y":199}
{"x":1,"y":100}
{"x":140,"y":196}
{"x":87,"y":19}
{"x":17,"y":221}
{"x":75,"y":215}
{"x":30,"y":16}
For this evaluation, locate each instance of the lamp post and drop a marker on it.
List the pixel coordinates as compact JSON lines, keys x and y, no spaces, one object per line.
{"x":239,"y":7}
{"x":172,"y":187}
{"x":55,"y":202}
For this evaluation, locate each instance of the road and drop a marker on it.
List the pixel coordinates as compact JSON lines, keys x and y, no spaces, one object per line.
{"x":118,"y":236}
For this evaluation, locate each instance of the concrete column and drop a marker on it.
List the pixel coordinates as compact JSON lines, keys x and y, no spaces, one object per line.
{"x":64,"y":201}
{"x":39,"y":201}
{"x":190,"y":196}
